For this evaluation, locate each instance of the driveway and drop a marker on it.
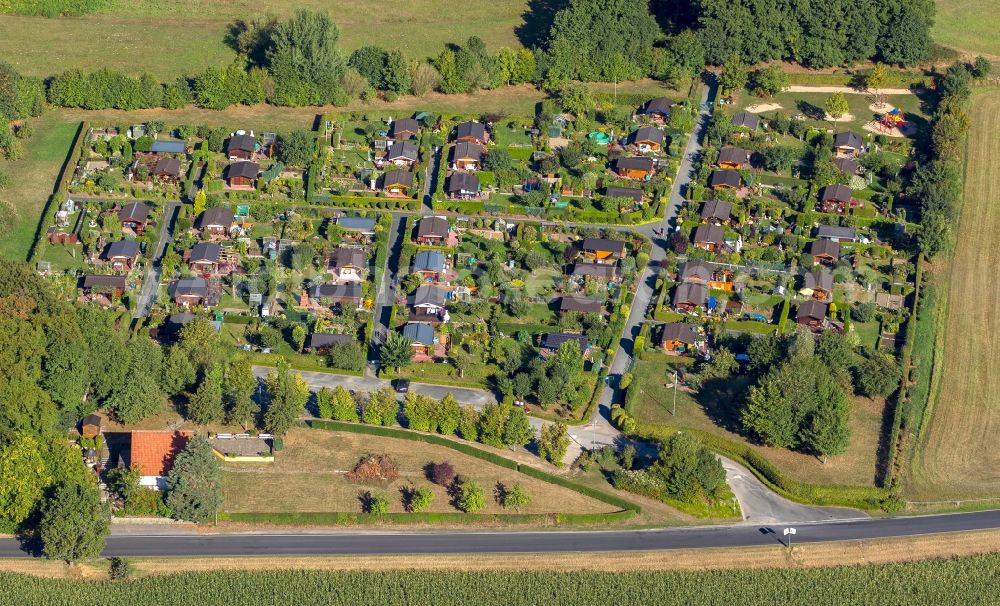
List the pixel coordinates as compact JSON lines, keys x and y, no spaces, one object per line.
{"x":151,"y":282}
{"x":386,"y":296}
{"x":760,"y":505}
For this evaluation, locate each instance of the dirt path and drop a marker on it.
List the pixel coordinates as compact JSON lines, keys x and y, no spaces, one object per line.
{"x":796,"y":88}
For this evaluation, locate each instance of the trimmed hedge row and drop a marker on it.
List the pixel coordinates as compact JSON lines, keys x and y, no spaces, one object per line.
{"x":343,"y":518}
{"x":861,"y":497}
{"x":370,"y":202}
{"x":390,"y":432}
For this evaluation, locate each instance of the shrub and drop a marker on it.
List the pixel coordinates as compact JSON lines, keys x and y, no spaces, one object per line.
{"x":512,"y":498}
{"x":470,"y":496}
{"x":375,"y":503}
{"x":442,"y":474}
{"x":418,"y":499}
{"x":119,"y":569}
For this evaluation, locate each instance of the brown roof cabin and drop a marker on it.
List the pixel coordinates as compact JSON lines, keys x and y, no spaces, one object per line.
{"x":848,"y":166}
{"x":658,"y":109}
{"x":700,"y":272}
{"x":91,"y":426}
{"x":462,"y":186}
{"x":811,"y":313}
{"x":428,"y":304}
{"x":695,"y":271}
{"x":471,"y":132}
{"x":337,"y":294}
{"x":204,"y":257}
{"x":402,"y":153}
{"x":734,"y":158}
{"x":241,"y":147}
{"x":847,"y":144}
{"x":432,"y":230}
{"x":216,"y":221}
{"x":709,"y":237}
{"x":678,"y":338}
{"x":167,"y":168}
{"x":188,"y":292}
{"x":581,"y":305}
{"x":600,"y":271}
{"x":835,"y":198}
{"x":603,"y":250}
{"x":321,"y":342}
{"x":716,"y":211}
{"x":466,"y":156}
{"x":242,"y":175}
{"x":825,"y":252}
{"x":550,"y":342}
{"x":648,"y":139}
{"x":102,"y":284}
{"x":724,"y":179}
{"x":405,"y":129}
{"x":135,"y":216}
{"x":634,"y":167}
{"x":397,"y":182}
{"x":122,"y":254}
{"x":745,"y":121}
{"x":347,"y":263}
{"x":820,"y":283}
{"x":688,"y":296}
{"x":631,"y":193}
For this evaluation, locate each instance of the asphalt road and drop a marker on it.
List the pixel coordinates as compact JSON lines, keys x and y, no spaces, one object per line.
{"x":153,"y":275}
{"x":346,"y":543}
{"x":318,"y":380}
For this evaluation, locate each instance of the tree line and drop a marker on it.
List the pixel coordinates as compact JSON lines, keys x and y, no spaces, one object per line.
{"x":937,"y":184}
{"x":498,"y":424}
{"x":297,"y":62}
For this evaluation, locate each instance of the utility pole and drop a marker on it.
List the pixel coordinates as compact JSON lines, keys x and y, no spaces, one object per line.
{"x":674,"y":413}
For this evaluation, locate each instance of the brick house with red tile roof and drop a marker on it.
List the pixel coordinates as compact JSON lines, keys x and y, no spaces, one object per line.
{"x":153,"y":453}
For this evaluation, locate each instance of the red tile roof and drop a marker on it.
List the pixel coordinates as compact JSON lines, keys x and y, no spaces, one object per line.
{"x":154,"y":451}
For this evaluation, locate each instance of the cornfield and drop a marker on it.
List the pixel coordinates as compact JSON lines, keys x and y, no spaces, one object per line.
{"x":968,"y":581}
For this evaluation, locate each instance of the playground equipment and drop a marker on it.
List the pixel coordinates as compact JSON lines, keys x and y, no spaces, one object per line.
{"x":894,"y":118}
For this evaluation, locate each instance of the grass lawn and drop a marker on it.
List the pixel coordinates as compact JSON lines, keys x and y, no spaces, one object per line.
{"x":965,"y":25}
{"x":310,"y":475}
{"x":33,"y":179}
{"x":715,"y":411}
{"x":446,"y":374}
{"x":811,"y":104}
{"x":957,"y":454}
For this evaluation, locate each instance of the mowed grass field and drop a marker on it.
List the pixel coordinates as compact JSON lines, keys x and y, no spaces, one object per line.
{"x":310,"y":475}
{"x":968,"y":25}
{"x":33,"y":179}
{"x":958,"y":455}
{"x":170,"y":38}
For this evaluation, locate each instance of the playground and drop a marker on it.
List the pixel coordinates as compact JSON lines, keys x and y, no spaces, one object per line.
{"x":891,"y":121}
